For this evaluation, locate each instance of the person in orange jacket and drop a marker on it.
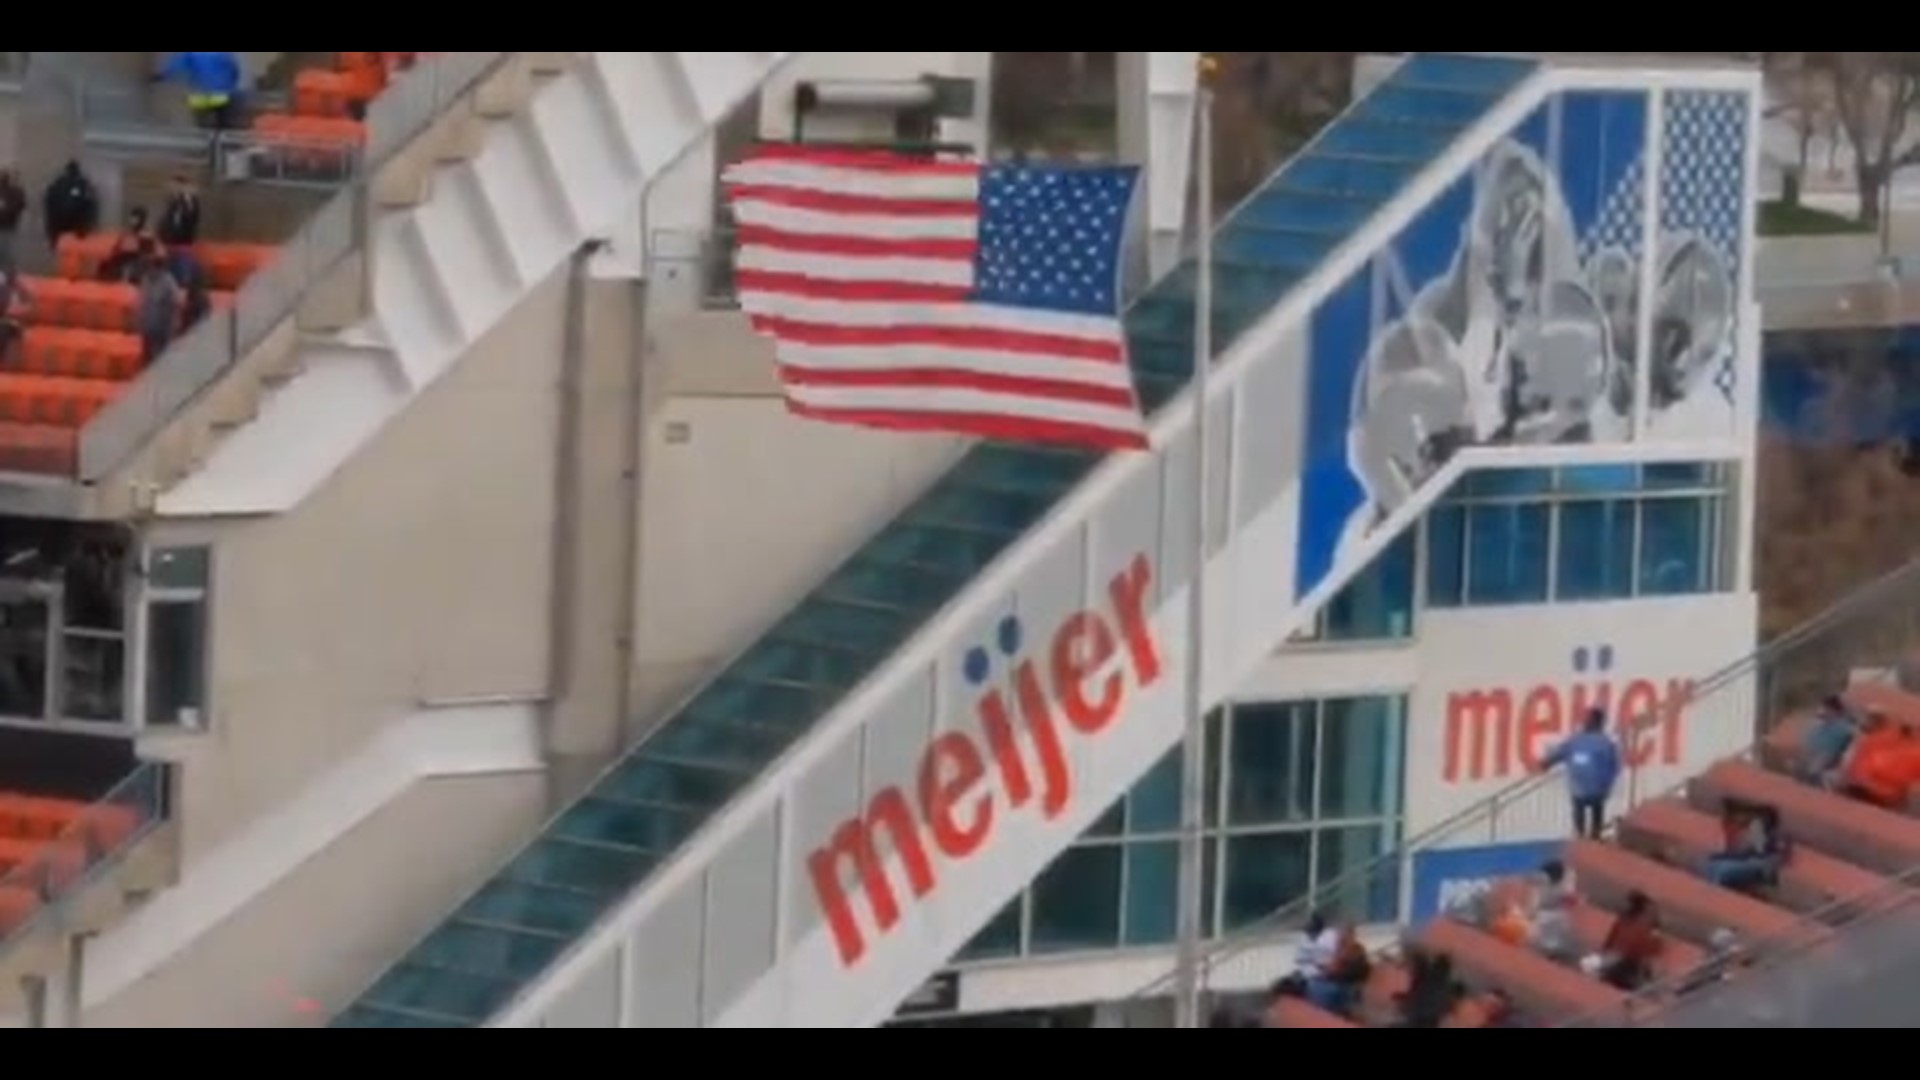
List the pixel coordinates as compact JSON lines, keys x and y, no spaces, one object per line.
{"x":1879,"y":769}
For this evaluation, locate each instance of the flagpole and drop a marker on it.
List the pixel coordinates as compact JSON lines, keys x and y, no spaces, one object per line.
{"x":1190,"y":1005}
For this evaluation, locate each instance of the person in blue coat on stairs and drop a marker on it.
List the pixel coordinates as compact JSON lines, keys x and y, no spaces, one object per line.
{"x":1593,"y":763}
{"x":213,"y":81}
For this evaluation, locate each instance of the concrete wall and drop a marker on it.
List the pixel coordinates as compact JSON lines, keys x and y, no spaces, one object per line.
{"x":305,"y":947}
{"x":420,"y":574}
{"x":437,"y":568}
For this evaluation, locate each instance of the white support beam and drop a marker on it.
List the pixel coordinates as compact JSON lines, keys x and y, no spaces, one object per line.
{"x":1157,"y":92}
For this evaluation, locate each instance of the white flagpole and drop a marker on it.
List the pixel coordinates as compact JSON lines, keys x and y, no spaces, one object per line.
{"x":1190,"y":965}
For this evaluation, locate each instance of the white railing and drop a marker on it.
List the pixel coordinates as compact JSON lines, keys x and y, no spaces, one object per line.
{"x":337,"y":232}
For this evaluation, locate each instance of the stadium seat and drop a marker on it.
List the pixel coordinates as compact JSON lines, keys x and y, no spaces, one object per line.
{"x":1674,"y":833}
{"x":1866,"y":836}
{"x":1689,"y":907}
{"x":1537,"y":984}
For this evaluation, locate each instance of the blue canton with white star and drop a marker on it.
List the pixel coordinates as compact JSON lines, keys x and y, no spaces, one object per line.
{"x":1050,"y":237}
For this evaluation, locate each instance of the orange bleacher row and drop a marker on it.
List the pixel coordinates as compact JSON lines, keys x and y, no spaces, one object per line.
{"x":47,"y":844}
{"x":79,"y":348}
{"x":326,"y":104}
{"x":1845,"y":857}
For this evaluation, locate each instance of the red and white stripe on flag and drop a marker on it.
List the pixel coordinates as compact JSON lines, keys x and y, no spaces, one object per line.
{"x":865,"y":269}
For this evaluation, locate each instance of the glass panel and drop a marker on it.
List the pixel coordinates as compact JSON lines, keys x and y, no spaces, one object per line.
{"x":1111,"y":824}
{"x":1596,"y":551}
{"x":1264,"y":875}
{"x":23,"y":658}
{"x":95,"y":588}
{"x":1507,"y":556}
{"x":1680,"y":477}
{"x":1373,"y":894}
{"x":1154,"y":806}
{"x":1600,"y":480}
{"x":1673,"y":540}
{"x":1270,"y":781}
{"x":1076,"y":902}
{"x":1506,"y":484}
{"x":1378,"y":605}
{"x":94,"y":679}
{"x":1000,"y":940}
{"x":1153,"y":893}
{"x":187,"y":569}
{"x":176,"y":662}
{"x":1361,"y":759}
{"x":1447,"y":557}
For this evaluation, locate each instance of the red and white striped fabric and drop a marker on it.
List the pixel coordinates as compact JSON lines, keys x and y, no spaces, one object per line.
{"x":924,"y":295}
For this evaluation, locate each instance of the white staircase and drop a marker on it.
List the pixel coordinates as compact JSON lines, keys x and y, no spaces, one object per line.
{"x":530,"y":156}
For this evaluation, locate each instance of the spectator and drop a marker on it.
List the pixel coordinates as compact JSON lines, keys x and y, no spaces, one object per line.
{"x":213,"y":83}
{"x":1755,"y":851}
{"x":1314,"y":965}
{"x":13,"y":208}
{"x":159,"y":310}
{"x":15,"y":302}
{"x":1824,"y":748}
{"x":1552,"y":923}
{"x":180,"y":219}
{"x":197,"y":302}
{"x":1338,"y":987}
{"x":1626,"y":961}
{"x":1877,"y":769}
{"x":71,"y":205}
{"x":1319,"y":947}
{"x":1432,"y":994}
{"x":1592,"y":760}
{"x":134,"y":246}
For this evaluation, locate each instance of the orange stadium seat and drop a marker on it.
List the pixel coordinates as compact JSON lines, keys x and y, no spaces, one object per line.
{"x":79,"y":354}
{"x":1675,"y":833}
{"x":1864,"y":835}
{"x":100,"y":305}
{"x":1689,"y":906}
{"x":80,"y":348}
{"x":1539,"y":985}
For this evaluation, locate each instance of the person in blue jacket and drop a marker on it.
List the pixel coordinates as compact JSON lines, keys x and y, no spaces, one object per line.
{"x":1593,"y":764}
{"x":213,"y":81}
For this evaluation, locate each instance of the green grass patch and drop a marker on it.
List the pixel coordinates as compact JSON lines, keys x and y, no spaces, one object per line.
{"x":1783,"y":219}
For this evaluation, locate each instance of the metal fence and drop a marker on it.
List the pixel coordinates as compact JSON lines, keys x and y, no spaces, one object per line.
{"x":1874,"y":628}
{"x":36,"y":894}
{"x":339,"y":230}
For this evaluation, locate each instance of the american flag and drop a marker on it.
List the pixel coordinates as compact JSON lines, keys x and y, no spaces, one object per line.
{"x":925,"y":295}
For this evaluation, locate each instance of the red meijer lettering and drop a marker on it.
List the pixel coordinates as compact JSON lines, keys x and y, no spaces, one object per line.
{"x":1080,"y":675}
{"x":1503,"y":734}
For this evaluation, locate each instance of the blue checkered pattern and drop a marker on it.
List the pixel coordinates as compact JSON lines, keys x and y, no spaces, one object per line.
{"x":1619,"y":227}
{"x":1703,"y":184}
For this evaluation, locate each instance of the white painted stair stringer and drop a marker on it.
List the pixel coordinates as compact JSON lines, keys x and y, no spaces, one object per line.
{"x":546,"y":181}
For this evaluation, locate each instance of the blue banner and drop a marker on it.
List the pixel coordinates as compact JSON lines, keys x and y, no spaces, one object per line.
{"x":1441,"y":876}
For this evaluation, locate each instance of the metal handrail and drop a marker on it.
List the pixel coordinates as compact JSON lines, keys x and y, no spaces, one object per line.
{"x":71,"y":863}
{"x":340,"y":229}
{"x":1260,"y":935}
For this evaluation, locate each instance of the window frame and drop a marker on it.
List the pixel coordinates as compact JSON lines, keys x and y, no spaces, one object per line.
{"x":1715,"y":494}
{"x":1220,"y":834}
{"x":139,"y":667}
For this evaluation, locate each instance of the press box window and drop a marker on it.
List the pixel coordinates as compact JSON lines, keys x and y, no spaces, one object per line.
{"x":179,"y":580}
